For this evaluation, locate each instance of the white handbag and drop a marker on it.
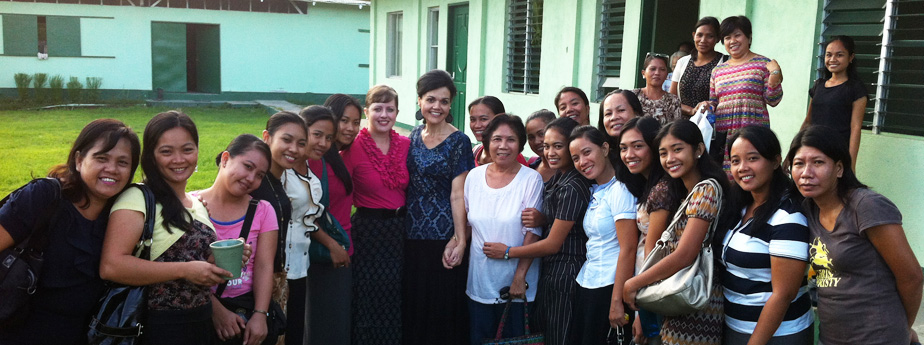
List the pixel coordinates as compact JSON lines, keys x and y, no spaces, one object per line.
{"x":690,"y":288}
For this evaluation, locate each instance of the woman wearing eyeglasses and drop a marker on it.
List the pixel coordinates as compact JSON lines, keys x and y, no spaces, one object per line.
{"x":656,"y":102}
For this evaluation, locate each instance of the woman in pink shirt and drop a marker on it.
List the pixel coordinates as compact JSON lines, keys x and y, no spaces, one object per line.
{"x":378,"y":160}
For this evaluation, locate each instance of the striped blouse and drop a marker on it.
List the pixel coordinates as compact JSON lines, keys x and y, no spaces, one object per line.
{"x":740,"y":94}
{"x":746,"y":256}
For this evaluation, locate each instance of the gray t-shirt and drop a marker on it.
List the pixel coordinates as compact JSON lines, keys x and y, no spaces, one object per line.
{"x":858,"y":301}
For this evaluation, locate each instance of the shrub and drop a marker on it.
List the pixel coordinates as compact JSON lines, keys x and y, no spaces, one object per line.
{"x":56,"y":84}
{"x":38,"y":80}
{"x":74,"y":90}
{"x":22,"y":84}
{"x":93,"y":84}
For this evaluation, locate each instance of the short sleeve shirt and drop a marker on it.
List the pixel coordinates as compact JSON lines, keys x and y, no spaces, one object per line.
{"x":610,"y":202}
{"x":855,"y":285}
{"x":429,"y":210}
{"x":264,"y":220}
{"x":746,"y":253}
{"x":833,"y":106}
{"x":567,"y":195}
{"x":494,"y":214}
{"x":702,"y":203}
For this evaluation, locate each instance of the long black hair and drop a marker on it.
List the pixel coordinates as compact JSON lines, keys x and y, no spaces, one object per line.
{"x":244,"y":143}
{"x":172,"y":212}
{"x":687,"y":132}
{"x":768,"y":146}
{"x":564,"y":126}
{"x":634,"y":183}
{"x":648,"y":127}
{"x":338,"y":104}
{"x":829,"y":142}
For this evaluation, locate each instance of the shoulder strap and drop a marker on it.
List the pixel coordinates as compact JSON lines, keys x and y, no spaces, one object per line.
{"x":669,"y":235}
{"x":147,"y":234}
{"x":38,"y":240}
{"x":245,"y":231}
{"x":325,"y":196}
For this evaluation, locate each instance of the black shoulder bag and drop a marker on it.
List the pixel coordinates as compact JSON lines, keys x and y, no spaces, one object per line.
{"x":21,"y":266}
{"x":120,"y":315}
{"x":243,"y":305}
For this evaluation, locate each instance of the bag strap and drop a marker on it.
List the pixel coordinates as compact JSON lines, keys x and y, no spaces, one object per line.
{"x":325,"y":196}
{"x":245,"y":231}
{"x":668,"y":236}
{"x":147,"y":234}
{"x":38,"y":240}
{"x":503,"y":320}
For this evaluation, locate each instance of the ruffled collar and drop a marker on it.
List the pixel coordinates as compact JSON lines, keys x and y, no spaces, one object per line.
{"x":393,"y":166}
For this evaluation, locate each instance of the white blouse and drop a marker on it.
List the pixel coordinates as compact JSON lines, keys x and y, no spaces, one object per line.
{"x":610,"y":202}
{"x":494,"y":215}
{"x":305,"y":194}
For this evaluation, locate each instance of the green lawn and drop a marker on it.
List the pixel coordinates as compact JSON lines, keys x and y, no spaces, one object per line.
{"x":31,"y":142}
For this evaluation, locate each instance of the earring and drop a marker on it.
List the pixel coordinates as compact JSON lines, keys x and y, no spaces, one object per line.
{"x":698,"y":157}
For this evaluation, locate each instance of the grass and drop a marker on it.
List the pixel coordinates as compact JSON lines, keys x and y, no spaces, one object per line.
{"x":35,"y":141}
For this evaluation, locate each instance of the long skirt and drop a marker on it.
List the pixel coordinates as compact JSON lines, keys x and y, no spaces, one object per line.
{"x":702,"y":327}
{"x":329,"y":293}
{"x":377,"y":261}
{"x":435,"y":310}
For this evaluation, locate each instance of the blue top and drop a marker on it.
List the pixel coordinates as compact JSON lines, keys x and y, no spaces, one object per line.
{"x":69,"y":285}
{"x":746,"y":256}
{"x":429,"y":213}
{"x":609,"y":203}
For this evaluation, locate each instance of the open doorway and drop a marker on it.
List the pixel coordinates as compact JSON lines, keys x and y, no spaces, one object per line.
{"x":186,"y":57}
{"x":664,"y":25}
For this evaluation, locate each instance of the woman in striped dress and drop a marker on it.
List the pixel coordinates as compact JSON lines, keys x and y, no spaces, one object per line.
{"x":563,"y":244}
{"x":742,"y":87}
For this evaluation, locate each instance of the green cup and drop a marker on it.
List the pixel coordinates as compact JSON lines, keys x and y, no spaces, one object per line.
{"x":228,"y":255}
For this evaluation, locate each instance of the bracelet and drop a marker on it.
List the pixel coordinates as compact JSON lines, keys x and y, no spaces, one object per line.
{"x":507,"y":254}
{"x":258,"y":311}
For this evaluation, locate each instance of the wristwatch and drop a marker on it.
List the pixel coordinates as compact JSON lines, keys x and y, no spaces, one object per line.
{"x":507,"y":254}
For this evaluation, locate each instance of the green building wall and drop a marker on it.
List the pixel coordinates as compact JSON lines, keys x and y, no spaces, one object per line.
{"x":323,"y":51}
{"x":889,"y":163}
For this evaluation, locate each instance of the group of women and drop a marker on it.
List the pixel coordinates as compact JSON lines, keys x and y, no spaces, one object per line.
{"x":554,"y":243}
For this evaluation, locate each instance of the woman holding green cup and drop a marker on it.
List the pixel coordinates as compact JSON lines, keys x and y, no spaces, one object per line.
{"x":241,"y":168}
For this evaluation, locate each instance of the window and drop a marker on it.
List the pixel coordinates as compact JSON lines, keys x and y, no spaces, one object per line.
{"x":524,"y":42}
{"x":609,"y":49}
{"x":433,"y":39}
{"x":26,"y":35}
{"x":889,"y":53}
{"x":393,"y":43}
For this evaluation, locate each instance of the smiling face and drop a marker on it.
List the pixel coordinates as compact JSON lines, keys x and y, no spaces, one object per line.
{"x":504,"y":146}
{"x":571,"y":105}
{"x":737,"y":44}
{"x":320,"y":137}
{"x":837,"y":58}
{"x":678,"y":157}
{"x":591,"y":159}
{"x":616,"y":112}
{"x":434,"y":105}
{"x":655,"y":73}
{"x":381,"y":116}
{"x":176,"y":155}
{"x":349,"y":126}
{"x":478,"y":117}
{"x":556,"y":151}
{"x":105,"y":173}
{"x":705,"y":39}
{"x":634,"y":152}
{"x":243,"y":173}
{"x":535,"y":135}
{"x":287,"y":144}
{"x":814,"y":173}
{"x":752,"y":171}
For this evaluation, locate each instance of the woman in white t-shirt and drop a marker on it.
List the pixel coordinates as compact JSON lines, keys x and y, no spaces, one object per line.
{"x":612,"y":237}
{"x":495,"y":196}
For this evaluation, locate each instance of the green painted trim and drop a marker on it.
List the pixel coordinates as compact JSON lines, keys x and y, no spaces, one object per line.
{"x":59,"y":56}
{"x":116,"y":94}
{"x":404,"y":126}
{"x":363,"y":65}
{"x":55,"y":15}
{"x":365,"y":31}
